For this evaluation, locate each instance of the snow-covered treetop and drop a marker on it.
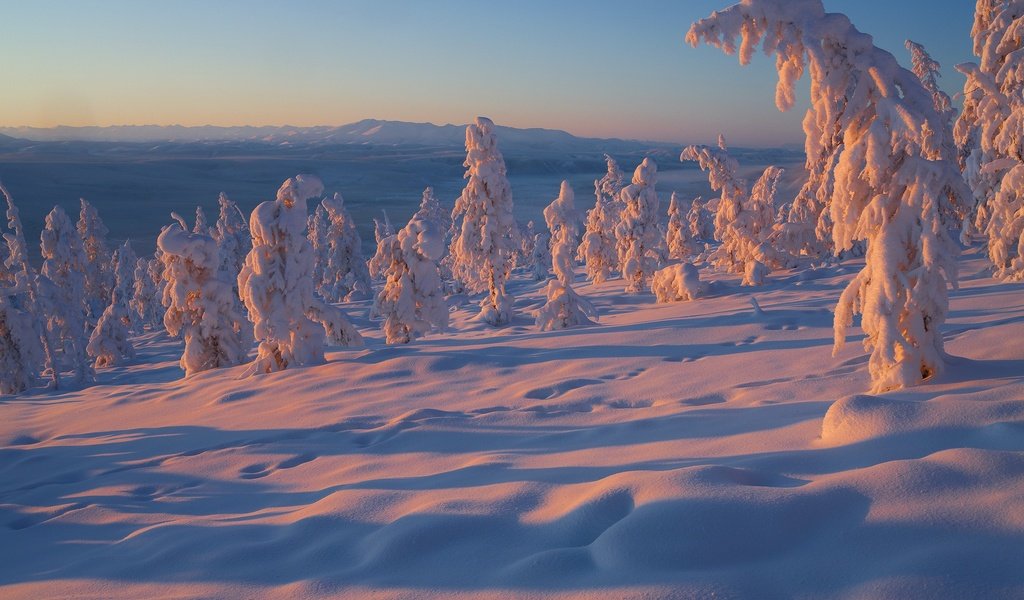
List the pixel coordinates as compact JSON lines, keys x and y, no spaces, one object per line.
{"x":611,"y":184}
{"x":561,"y":215}
{"x":927,"y":70}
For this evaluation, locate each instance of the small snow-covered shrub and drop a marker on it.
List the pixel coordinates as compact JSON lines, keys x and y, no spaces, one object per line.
{"x":564,"y":308}
{"x":676,"y":283}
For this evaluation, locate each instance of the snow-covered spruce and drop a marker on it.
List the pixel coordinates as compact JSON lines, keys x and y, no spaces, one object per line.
{"x":742,"y":221}
{"x":990,"y":131}
{"x":64,"y":261}
{"x":97,"y":265}
{"x":412,"y":302}
{"x":701,"y":221}
{"x":482,"y":249}
{"x":345,"y":275}
{"x":146,"y":296}
{"x":637,"y":233}
{"x":233,"y":242}
{"x":564,"y":307}
{"x":276,"y":284}
{"x":430,"y":210}
{"x":597,"y":249}
{"x":676,"y":283}
{"x":109,"y":344}
{"x":201,"y":307}
{"x":30,"y":300}
{"x":202,"y":224}
{"x":540,"y":257}
{"x":678,"y":237}
{"x":883,"y":177}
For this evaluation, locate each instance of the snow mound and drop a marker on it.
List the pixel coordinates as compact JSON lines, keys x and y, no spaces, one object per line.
{"x":862,"y":417}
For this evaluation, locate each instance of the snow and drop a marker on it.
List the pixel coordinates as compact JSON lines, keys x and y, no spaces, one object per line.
{"x":691,"y":449}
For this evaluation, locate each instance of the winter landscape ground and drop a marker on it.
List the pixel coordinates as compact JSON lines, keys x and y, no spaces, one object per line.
{"x":479,"y":361}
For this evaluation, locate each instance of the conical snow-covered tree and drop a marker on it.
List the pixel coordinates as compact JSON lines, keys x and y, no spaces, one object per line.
{"x":64,"y":261}
{"x":564,"y":307}
{"x":701,"y":221}
{"x":146,"y":297}
{"x":430,"y":209}
{"x":232,"y":237}
{"x":412,"y":303}
{"x":990,"y":131}
{"x":201,"y":307}
{"x":345,"y":274}
{"x":202,"y":224}
{"x":637,"y":234}
{"x":483,"y":247}
{"x":276,"y":284}
{"x":678,"y":239}
{"x":98,"y":265}
{"x":873,"y":137}
{"x":597,"y":250}
{"x":109,"y":344}
{"x":540,"y":257}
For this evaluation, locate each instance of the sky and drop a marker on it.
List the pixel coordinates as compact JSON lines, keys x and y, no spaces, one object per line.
{"x":592,"y":67}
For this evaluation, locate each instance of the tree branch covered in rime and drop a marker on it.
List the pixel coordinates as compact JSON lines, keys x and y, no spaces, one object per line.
{"x":990,"y":131}
{"x":637,"y":234}
{"x":482,"y":248}
{"x":276,"y":284}
{"x":200,"y":304}
{"x":876,"y":165}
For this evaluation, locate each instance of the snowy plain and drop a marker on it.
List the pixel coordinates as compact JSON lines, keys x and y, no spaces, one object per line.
{"x":693,"y":449}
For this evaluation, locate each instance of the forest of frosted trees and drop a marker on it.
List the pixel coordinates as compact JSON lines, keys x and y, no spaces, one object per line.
{"x":895,"y":176}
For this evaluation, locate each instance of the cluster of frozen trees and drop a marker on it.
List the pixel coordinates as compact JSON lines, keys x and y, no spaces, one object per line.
{"x":891,"y":170}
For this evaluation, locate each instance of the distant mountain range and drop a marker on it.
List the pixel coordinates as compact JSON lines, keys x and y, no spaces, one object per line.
{"x":368,"y":131}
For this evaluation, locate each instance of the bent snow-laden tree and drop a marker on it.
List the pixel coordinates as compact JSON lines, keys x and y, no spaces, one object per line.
{"x":597,"y":250}
{"x":564,"y":307}
{"x":412,"y":302}
{"x":482,"y":248}
{"x":990,"y":131}
{"x":200,"y":303}
{"x":276,"y":284}
{"x":875,"y":161}
{"x":637,"y":235}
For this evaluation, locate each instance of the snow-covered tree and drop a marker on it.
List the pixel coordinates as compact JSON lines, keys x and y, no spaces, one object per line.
{"x":276,"y":284}
{"x":201,"y":307}
{"x":564,"y":307}
{"x":412,"y":302}
{"x":875,"y":156}
{"x":202,"y":224}
{"x":540,"y":257}
{"x":637,"y":233}
{"x":483,"y":247}
{"x":98,"y":266}
{"x":146,"y":297}
{"x":598,"y":250}
{"x":678,"y":238}
{"x":232,"y":237}
{"x":25,"y":345}
{"x":701,"y":221}
{"x":990,"y":131}
{"x":64,"y":261}
{"x":676,"y":283}
{"x":430,"y":209}
{"x":109,"y":344}
{"x":345,"y":274}
{"x":742,"y":221}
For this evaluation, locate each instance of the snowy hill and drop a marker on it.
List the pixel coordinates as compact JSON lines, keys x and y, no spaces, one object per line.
{"x":696,"y":449}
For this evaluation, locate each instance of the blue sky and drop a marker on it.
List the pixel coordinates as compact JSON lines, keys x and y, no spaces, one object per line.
{"x":593,"y":68}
